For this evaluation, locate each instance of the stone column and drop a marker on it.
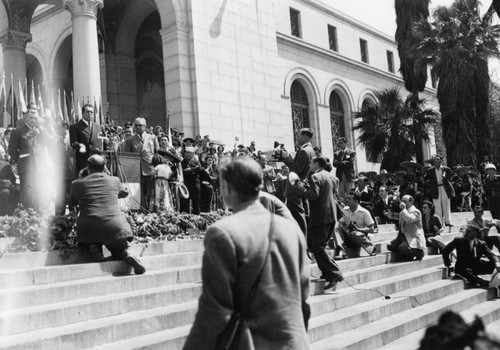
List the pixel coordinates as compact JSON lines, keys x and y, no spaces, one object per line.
{"x":14,"y":56}
{"x":86,"y":75}
{"x":178,"y":81}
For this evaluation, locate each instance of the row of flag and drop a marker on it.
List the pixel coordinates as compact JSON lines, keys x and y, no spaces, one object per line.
{"x":50,"y":102}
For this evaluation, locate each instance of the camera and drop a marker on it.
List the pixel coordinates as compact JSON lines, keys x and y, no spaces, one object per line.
{"x":278,"y":151}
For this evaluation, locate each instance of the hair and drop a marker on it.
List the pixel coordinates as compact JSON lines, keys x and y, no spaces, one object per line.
{"x":85,"y":106}
{"x":317,"y":148}
{"x":96,"y":163}
{"x":140,"y":120}
{"x":157,"y":160}
{"x":95,"y":150}
{"x":243,"y":175}
{"x":343,"y":139}
{"x":329,"y":166}
{"x":321,"y":161}
{"x":307,"y":131}
{"x":7,"y":132}
{"x":219,"y":147}
{"x":478,"y":207}
{"x":410,"y":198}
{"x":355,"y":194}
{"x":430,"y":205}
{"x":383,"y":187}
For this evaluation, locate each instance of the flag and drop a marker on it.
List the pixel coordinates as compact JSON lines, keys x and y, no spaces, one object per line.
{"x":22,"y":101}
{"x":3,"y":103}
{"x":101,"y":116}
{"x":96,"y":112}
{"x":41,"y":108}
{"x":32,"y":94}
{"x":72,"y":109}
{"x":59,"y":109}
{"x":169,"y":130}
{"x":78,"y":110}
{"x":65,"y":108}
{"x":52,"y":108}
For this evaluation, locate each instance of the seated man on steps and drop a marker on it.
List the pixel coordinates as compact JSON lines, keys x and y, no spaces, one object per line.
{"x":484,"y":225}
{"x":101,"y":221}
{"x":354,"y":227}
{"x":470,"y":248}
{"x":410,"y":241}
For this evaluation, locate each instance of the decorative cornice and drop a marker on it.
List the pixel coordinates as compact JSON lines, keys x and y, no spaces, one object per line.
{"x":83,"y":7}
{"x":15,"y":39}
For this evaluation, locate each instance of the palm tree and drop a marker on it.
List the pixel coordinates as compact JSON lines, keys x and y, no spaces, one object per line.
{"x":408,"y":12}
{"x":389,"y":128}
{"x":458,"y":43}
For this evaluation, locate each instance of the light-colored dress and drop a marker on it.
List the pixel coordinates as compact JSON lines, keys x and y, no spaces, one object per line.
{"x":162,"y":199}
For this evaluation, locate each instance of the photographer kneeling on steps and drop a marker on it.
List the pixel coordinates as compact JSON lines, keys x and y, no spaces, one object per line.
{"x":101,"y":221}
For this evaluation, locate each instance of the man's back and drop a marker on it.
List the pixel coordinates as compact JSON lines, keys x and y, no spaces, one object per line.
{"x":235,"y":249}
{"x":321,"y":200}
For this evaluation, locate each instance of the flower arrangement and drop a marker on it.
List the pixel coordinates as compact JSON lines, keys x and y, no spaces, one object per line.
{"x":36,"y":231}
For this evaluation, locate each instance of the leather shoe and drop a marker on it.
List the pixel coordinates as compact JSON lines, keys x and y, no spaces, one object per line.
{"x":138,"y":268}
{"x":374,"y":251}
{"x":332,"y":285}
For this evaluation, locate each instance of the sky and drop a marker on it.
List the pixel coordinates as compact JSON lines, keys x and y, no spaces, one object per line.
{"x":380,"y":14}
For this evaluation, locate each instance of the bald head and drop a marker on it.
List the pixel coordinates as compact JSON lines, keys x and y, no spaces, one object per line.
{"x":96,"y":163}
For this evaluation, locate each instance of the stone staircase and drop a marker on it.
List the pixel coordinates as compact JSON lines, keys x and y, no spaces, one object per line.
{"x":50,"y":303}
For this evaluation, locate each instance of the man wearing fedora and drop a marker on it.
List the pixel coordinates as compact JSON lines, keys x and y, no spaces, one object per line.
{"x":343,"y":161}
{"x":492,"y":190}
{"x":439,"y":177}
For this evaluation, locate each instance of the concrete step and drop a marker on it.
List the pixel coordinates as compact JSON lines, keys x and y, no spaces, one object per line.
{"x":489,"y":311}
{"x":376,"y":334}
{"x":29,"y":296}
{"x":73,"y":311}
{"x":102,"y":331}
{"x":53,"y":274}
{"x":55,"y":257}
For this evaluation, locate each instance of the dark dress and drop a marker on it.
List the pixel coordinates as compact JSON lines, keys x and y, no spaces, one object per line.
{"x":431,"y":228}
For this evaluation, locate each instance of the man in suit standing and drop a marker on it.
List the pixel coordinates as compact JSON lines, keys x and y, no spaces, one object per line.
{"x":84,"y":136}
{"x":101,"y":221}
{"x":411,"y":240}
{"x":439,"y":177}
{"x":322,"y":219}
{"x":147,"y":145}
{"x":343,"y":161}
{"x":300,"y":166}
{"x":235,"y":252}
{"x":492,"y":190}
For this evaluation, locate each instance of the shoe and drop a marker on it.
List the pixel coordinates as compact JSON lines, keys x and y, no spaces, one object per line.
{"x":374,"y":251}
{"x":483,"y":283}
{"x":340,"y":256}
{"x":138,"y":268}
{"x":332,"y":285}
{"x":419,"y":256}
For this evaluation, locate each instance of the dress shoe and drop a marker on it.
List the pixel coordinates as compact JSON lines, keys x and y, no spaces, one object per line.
{"x":374,"y":251}
{"x":419,"y":256}
{"x":138,"y":268}
{"x":332,"y":285}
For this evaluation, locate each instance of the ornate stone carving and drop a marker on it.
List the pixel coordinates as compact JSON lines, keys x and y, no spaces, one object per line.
{"x":14,"y":39}
{"x":83,"y":7}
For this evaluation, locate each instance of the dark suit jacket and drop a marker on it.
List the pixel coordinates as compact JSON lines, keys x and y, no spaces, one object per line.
{"x":343,"y":161}
{"x":80,"y":132}
{"x":467,"y":256}
{"x":100,"y":220}
{"x":299,"y":165}
{"x":235,"y":249}
{"x":147,"y":149}
{"x":379,"y":206}
{"x":22,"y":147}
{"x":447,"y":175}
{"x":321,"y":200}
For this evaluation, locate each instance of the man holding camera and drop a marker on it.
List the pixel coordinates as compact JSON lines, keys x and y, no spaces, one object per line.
{"x":300,"y":166}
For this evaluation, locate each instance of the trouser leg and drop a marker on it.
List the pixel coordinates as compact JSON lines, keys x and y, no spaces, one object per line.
{"x":119,"y":250}
{"x":445,"y":205}
{"x":317,"y":240}
{"x":296,"y":207}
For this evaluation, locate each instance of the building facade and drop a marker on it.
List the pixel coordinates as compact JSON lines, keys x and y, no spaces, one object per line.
{"x":258,"y":70}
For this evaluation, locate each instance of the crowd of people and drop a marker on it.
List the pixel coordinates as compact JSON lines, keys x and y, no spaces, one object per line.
{"x":46,"y":161}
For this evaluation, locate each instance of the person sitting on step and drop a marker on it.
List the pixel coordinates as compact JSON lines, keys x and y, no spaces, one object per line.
{"x":354,"y":227}
{"x":470,"y":249}
{"x":410,"y":241}
{"x":485,"y":224}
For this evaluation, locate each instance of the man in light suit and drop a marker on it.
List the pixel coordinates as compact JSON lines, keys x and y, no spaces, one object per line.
{"x":300,"y":166}
{"x":322,"y":219}
{"x":147,"y":145}
{"x":343,"y":161}
{"x":235,"y":251}
{"x":439,"y":177}
{"x":410,"y":241}
{"x":84,"y":136}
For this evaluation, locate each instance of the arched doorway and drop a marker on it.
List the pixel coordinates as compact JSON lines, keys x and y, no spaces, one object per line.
{"x":34,"y":74}
{"x":336,"y":118}
{"x":149,"y":72}
{"x":300,"y":109}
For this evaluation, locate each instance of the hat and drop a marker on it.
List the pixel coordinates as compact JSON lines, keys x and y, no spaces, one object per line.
{"x":189,"y":139}
{"x":490,"y":166}
{"x":307,"y":131}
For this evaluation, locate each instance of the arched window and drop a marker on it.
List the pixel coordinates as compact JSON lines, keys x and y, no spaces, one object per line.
{"x":367,"y":103}
{"x":336,"y":118}
{"x":300,"y":109}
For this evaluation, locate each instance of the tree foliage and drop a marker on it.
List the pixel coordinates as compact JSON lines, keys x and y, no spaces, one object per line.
{"x":457,"y":43}
{"x":388,"y":129}
{"x":408,"y":12}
